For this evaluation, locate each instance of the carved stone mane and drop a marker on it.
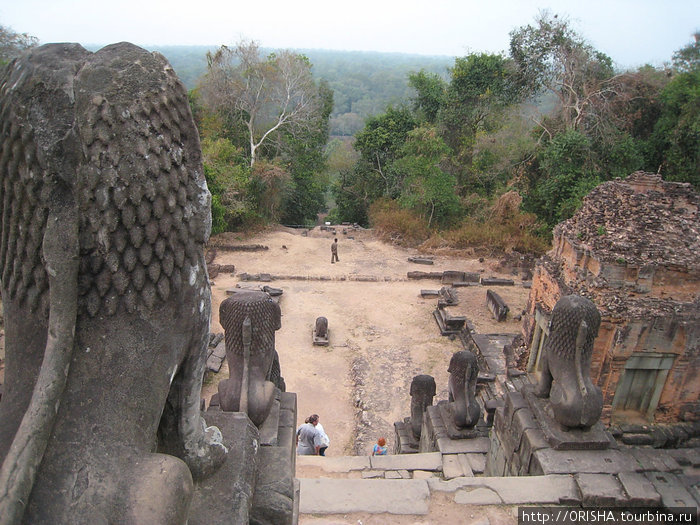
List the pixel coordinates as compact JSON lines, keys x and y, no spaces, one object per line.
{"x":566,"y":363}
{"x":104,"y":212}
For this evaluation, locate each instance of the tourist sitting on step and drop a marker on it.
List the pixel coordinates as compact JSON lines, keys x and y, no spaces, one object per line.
{"x":309,"y":439}
{"x":380,"y":447}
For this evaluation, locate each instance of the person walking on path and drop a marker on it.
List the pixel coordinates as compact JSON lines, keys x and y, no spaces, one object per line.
{"x":324,"y":439}
{"x":334,"y":251}
{"x":380,"y":447}
{"x":309,"y":440}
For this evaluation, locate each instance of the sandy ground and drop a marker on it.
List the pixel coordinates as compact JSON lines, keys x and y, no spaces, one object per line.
{"x":381,"y":333}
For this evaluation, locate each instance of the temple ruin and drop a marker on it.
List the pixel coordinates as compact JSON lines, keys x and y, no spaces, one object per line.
{"x":634,"y":250}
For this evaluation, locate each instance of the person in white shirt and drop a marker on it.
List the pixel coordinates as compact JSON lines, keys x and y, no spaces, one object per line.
{"x":324,"y":439}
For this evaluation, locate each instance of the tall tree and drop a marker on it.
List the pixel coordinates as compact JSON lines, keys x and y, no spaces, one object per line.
{"x":552,"y":57}
{"x":430,"y":94}
{"x":380,"y":142}
{"x":266,"y":94}
{"x":481,"y":87}
{"x":306,"y":158}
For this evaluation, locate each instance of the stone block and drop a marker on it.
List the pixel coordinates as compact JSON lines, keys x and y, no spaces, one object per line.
{"x":273,"y":500}
{"x":405,"y":474}
{"x":538,"y":490}
{"x":637,"y":440}
{"x":404,"y":440}
{"x":288,"y":401}
{"x":449,"y":324}
{"x":423,"y":474}
{"x":514,"y":401}
{"x":227,"y":495}
{"x":609,"y":461}
{"x":392,"y":474}
{"x":531,"y":439}
{"x":477,"y":462}
{"x":432,"y":429}
{"x":527,"y":490}
{"x":463,"y":446}
{"x":640,"y":491}
{"x":498,"y":307}
{"x":464,"y":464}
{"x":372,"y":474}
{"x":216,"y":357}
{"x":269,"y":429}
{"x":562,"y":438}
{"x":451,"y":467}
{"x":600,"y":490}
{"x":496,"y":281}
{"x":478,"y":496}
{"x":495,"y":459}
{"x":427,"y":461}
{"x":652,"y":460}
{"x":513,"y":466}
{"x":687,"y":457}
{"x":374,"y":496}
{"x":671,"y":490}
{"x":446,"y":410}
{"x":424,"y":275}
{"x":421,"y":260}
{"x":523,"y":420}
{"x":337,"y":464}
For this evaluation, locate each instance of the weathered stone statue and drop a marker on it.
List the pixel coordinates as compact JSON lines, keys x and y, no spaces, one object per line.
{"x":104,"y":212}
{"x":250,"y":319}
{"x":422,"y":393}
{"x":566,"y":363}
{"x":464,"y":371}
{"x":320,"y":332}
{"x":321,"y":329}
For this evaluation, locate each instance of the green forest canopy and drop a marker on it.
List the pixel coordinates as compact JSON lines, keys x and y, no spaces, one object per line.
{"x":485,"y":149}
{"x":363,"y":83}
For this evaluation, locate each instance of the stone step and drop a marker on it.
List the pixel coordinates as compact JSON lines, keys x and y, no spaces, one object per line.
{"x":341,"y":496}
{"x":404,"y":466}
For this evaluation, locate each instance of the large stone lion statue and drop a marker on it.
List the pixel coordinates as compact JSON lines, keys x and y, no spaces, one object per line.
{"x":104,"y":212}
{"x":566,"y":363}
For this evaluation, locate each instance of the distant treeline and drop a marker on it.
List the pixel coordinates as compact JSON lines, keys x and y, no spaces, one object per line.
{"x":363,"y":83}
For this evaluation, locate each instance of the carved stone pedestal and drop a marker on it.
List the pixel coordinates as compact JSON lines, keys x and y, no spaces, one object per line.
{"x":439,"y":429}
{"x":227,"y":496}
{"x":256,"y":484}
{"x":560,"y":437}
{"x":525,"y":442}
{"x":405,"y":442}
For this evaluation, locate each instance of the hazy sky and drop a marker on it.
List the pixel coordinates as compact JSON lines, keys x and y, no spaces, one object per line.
{"x":632,"y":32}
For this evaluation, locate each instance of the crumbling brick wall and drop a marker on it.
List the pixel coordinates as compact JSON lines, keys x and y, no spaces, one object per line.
{"x":634,"y":249}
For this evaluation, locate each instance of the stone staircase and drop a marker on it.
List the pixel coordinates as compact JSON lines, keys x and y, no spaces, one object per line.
{"x":405,"y":484}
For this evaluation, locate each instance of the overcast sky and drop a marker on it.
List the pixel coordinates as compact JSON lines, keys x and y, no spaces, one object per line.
{"x":632,"y":32}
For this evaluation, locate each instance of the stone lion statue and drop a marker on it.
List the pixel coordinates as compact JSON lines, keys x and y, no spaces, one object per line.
{"x":104,"y":212}
{"x":566,"y":363}
{"x":464,"y":371}
{"x":250,"y":319}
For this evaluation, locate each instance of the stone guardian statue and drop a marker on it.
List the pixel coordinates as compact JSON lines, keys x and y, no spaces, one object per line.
{"x":104,"y":212}
{"x":250,"y":319}
{"x":566,"y":363}
{"x":422,"y":393}
{"x":464,"y":371}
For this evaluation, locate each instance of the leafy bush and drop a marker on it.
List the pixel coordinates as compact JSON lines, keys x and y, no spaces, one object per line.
{"x":401,"y":226}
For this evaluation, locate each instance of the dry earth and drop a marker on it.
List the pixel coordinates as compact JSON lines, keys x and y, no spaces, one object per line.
{"x":382,"y":333}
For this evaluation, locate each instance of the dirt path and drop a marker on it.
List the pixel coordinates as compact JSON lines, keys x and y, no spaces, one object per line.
{"x":382,"y":332}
